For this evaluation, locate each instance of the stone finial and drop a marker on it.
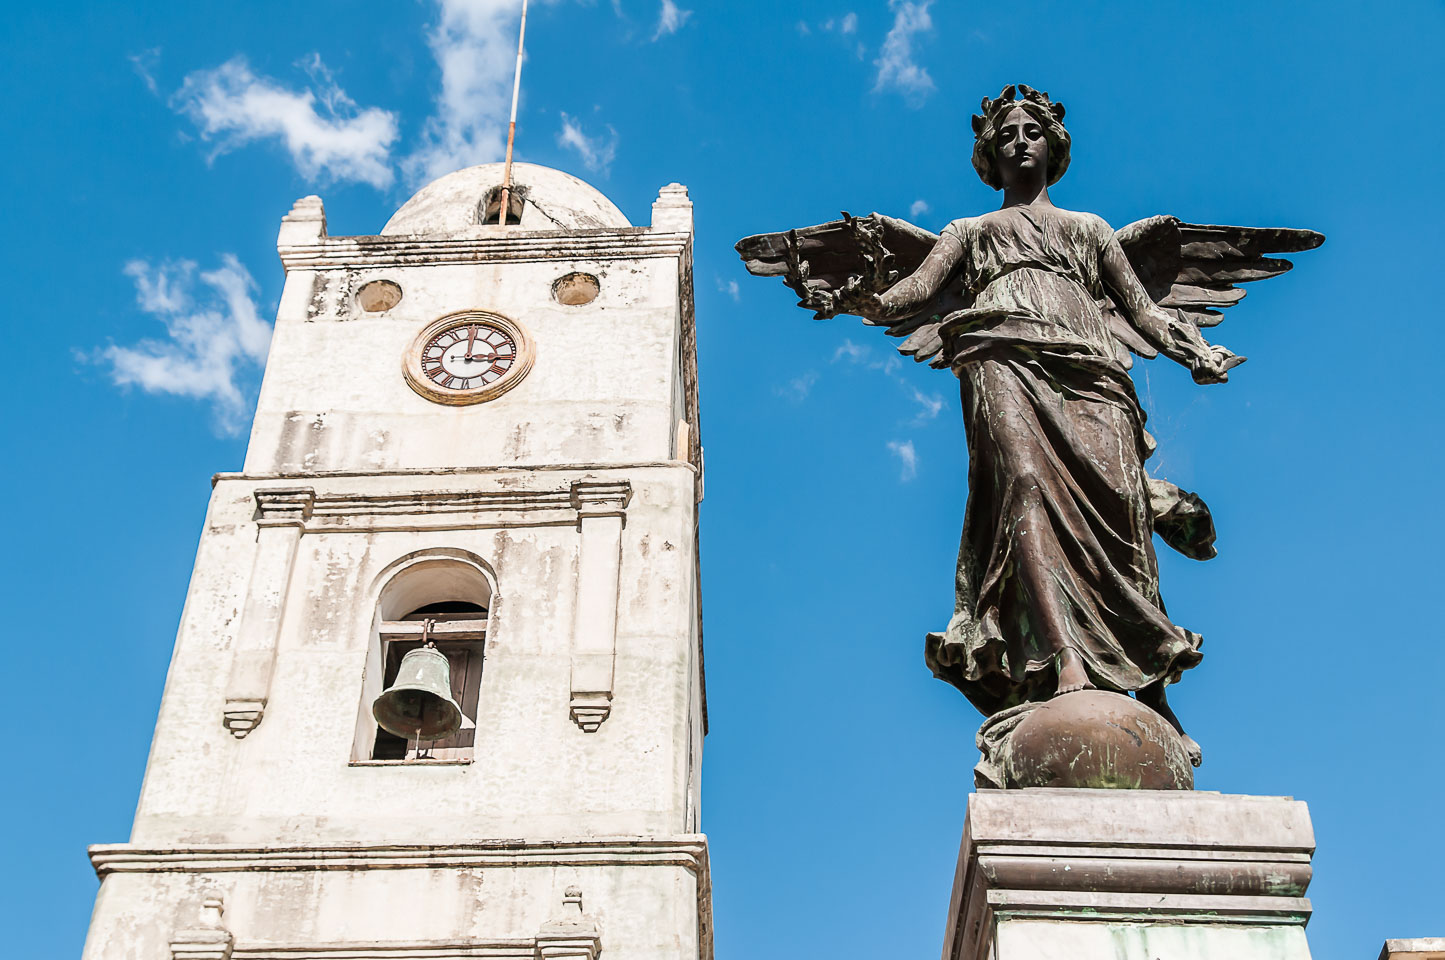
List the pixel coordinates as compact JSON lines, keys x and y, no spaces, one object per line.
{"x":572,"y":936}
{"x":306,"y":223}
{"x":209,"y":940}
{"x":672,"y":210}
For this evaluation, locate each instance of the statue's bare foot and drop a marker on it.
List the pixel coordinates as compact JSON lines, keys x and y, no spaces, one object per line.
{"x":1072,"y":676}
{"x":1196,"y":755}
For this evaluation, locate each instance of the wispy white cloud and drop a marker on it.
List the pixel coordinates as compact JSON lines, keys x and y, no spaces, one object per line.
{"x":327,"y":137}
{"x":896,"y":67}
{"x":930,"y":404}
{"x":475,"y":45}
{"x":863,"y":355}
{"x":918,"y":208}
{"x":798,"y":388}
{"x":730,"y":287}
{"x":144,"y":64}
{"x":670,"y":19}
{"x":907,"y":459}
{"x":852,"y":352}
{"x":214,"y":336}
{"x":844,"y":27}
{"x":597,"y":153}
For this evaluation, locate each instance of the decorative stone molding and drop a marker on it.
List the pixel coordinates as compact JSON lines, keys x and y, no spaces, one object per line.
{"x":241,"y":716}
{"x":437,"y":510}
{"x":210,"y":940}
{"x":600,"y":507}
{"x":281,"y":513}
{"x":364,"y":253}
{"x":391,"y":950}
{"x":572,"y":936}
{"x":688,"y":852}
{"x":284,"y":506}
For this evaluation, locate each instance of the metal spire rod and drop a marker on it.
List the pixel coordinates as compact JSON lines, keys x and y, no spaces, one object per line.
{"x":512,"y":126}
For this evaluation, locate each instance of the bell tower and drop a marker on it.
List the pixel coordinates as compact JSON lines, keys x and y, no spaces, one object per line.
{"x":480,"y":439}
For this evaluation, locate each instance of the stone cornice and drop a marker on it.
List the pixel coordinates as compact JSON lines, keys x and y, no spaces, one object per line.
{"x":441,"y":509}
{"x":402,"y":251}
{"x":688,"y":852}
{"x":404,"y":950}
{"x":523,"y":469}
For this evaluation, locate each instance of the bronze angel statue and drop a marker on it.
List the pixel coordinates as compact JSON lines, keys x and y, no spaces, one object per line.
{"x":1037,"y":309}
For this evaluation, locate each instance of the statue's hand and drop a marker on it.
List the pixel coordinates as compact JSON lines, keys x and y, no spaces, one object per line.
{"x":857,"y":297}
{"x":878,"y":272}
{"x":1213,"y":363}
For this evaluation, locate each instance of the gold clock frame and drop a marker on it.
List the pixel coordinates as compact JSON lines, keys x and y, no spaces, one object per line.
{"x":411,"y":363}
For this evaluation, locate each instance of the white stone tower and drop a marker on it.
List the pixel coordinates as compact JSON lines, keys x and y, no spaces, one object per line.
{"x":493,"y":428}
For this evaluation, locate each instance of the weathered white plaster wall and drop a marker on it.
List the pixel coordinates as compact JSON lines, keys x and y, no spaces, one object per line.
{"x":535,"y":774}
{"x":603,"y":388}
{"x":642,"y":913}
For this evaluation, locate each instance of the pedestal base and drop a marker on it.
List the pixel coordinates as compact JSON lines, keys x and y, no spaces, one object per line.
{"x":1065,"y":874}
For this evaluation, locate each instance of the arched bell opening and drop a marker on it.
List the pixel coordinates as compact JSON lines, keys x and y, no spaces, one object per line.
{"x":489,"y":211}
{"x":445,"y":601}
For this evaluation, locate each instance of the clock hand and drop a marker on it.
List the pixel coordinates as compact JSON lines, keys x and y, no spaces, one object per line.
{"x":471,"y":340}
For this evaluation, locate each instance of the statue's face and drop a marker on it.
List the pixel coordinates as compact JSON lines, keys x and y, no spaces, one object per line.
{"x":1022,"y":150}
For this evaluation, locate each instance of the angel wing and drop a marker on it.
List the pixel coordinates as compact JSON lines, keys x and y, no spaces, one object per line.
{"x":1189,"y":269}
{"x":1192,"y":269}
{"x":823,"y":258}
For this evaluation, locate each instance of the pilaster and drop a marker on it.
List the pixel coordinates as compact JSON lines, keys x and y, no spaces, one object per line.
{"x":281,"y":514}
{"x":600,"y":511}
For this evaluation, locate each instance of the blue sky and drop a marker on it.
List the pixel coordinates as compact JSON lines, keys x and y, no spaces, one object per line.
{"x":152,"y":151}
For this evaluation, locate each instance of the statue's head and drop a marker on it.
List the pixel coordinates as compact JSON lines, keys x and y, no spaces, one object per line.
{"x":1012,"y":136}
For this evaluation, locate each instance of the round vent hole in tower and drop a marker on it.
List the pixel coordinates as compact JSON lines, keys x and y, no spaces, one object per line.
{"x":378,"y":295}
{"x":576,"y":289}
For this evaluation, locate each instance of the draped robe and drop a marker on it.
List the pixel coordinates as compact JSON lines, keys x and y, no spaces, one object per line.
{"x":1057,"y":547}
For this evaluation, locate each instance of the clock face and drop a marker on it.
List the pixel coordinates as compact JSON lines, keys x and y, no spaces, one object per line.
{"x":468,"y":357}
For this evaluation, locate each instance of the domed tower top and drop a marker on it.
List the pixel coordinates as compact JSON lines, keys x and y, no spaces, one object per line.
{"x":468,"y":201}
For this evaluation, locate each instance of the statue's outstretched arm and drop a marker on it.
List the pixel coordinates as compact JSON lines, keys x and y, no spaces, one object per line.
{"x":907,"y":295}
{"x":1176,"y":339}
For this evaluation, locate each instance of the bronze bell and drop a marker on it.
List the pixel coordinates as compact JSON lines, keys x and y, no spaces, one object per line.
{"x":419,"y":705}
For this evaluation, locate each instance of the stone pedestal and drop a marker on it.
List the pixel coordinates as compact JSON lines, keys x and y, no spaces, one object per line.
{"x":1069,"y":874}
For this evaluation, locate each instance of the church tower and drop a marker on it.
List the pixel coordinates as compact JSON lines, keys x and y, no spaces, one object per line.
{"x":479,"y":436}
